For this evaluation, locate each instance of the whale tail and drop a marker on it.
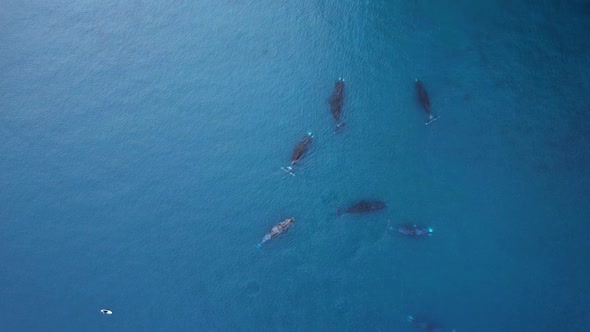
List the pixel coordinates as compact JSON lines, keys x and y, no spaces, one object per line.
{"x":338,"y":126}
{"x":431,"y":118}
{"x":288,"y":169}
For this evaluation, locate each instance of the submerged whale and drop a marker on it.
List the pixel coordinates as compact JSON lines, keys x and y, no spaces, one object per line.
{"x":426,"y":324}
{"x":424,"y":101}
{"x":298,"y":152}
{"x":364,"y":206}
{"x":337,"y":101}
{"x":412,"y":230}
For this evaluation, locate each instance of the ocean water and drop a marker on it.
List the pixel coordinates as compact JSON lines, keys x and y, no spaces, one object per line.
{"x":141,"y":146}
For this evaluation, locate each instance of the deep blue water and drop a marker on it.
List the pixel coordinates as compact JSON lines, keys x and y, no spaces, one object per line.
{"x":141,"y":146}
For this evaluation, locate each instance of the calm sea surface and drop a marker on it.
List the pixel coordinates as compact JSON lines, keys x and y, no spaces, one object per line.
{"x":141,"y":144}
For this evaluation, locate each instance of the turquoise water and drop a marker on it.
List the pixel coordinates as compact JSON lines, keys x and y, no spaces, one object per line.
{"x":141,"y":149}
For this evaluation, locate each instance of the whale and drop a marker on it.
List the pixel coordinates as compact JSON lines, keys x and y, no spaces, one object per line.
{"x":337,"y":101}
{"x":424,"y":100}
{"x":298,"y":152}
{"x":412,"y":230}
{"x":362,"y":206}
{"x":276,"y":230}
{"x":427,"y":324}
{"x":424,"y":324}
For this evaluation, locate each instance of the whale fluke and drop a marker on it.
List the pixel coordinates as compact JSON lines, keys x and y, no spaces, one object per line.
{"x":288,"y":169}
{"x":431,"y":119}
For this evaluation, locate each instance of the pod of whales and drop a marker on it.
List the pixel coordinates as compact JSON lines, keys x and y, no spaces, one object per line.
{"x":364,"y":206}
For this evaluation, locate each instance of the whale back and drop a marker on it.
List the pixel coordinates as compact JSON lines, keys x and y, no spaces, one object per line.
{"x":423,"y":95}
{"x":337,"y":99}
{"x":366,"y":206}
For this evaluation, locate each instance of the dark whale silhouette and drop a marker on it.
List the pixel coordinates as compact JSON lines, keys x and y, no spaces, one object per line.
{"x":298,"y":152}
{"x":426,"y":324}
{"x":337,"y":101}
{"x":363,"y":206}
{"x":425,"y":101}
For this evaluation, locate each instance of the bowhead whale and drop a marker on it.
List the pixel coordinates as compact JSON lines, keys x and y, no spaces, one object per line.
{"x":424,"y":100}
{"x":337,"y":101}
{"x":298,"y":152}
{"x":276,"y":230}
{"x":412,"y":230}
{"x":426,"y":324}
{"x":363,"y":206}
